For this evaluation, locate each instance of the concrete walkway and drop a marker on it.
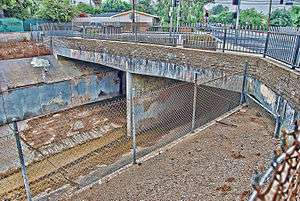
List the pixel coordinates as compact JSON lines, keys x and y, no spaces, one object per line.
{"x":216,"y":164}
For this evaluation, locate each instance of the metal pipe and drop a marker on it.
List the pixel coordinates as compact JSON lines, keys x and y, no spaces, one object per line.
{"x":243,"y":93}
{"x":133,"y":19}
{"x":261,"y":105}
{"x":194,"y":102}
{"x":171,"y":17}
{"x":238,"y":15}
{"x":22,"y":161}
{"x":269,"y":15}
{"x":133,"y":130}
{"x":277,"y":119}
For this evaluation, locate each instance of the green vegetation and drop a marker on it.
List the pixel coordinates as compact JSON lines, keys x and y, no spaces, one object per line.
{"x":146,"y":6}
{"x":56,"y":10}
{"x":114,"y":6}
{"x":85,"y":8}
{"x":252,"y":18}
{"x":281,"y":17}
{"x":224,"y":16}
{"x":191,"y":11}
{"x":295,"y":12}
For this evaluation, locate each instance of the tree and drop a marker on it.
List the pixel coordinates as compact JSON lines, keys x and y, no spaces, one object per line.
{"x":115,"y":6}
{"x":251,"y":17}
{"x":56,"y":10}
{"x":162,"y":9}
{"x":23,"y":9}
{"x":191,"y":11}
{"x":295,"y":13}
{"x":226,"y":17}
{"x":281,"y":17}
{"x":145,"y":6}
{"x":6,"y":4}
{"x":85,"y":8}
{"x":218,"y":9}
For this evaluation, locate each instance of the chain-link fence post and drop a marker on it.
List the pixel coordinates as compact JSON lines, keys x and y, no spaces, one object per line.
{"x":22,"y":161}
{"x":266,"y":44}
{"x":243,"y":93}
{"x":133,"y":130}
{"x":130,"y":114}
{"x":277,"y":118}
{"x":194,"y":102}
{"x":296,"y":52}
{"x":224,"y":40}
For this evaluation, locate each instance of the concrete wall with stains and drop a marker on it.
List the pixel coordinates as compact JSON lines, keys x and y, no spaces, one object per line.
{"x":274,"y":102}
{"x":32,"y":101}
{"x":27,"y":95}
{"x":181,"y":64}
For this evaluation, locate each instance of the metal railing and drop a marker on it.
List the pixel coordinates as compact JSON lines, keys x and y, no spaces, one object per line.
{"x":283,"y":47}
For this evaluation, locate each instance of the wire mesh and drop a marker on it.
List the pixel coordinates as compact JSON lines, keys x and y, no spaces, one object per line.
{"x":65,"y":146}
{"x":165,"y":115}
{"x":212,"y":102}
{"x":282,"y":180}
{"x":162,"y":116}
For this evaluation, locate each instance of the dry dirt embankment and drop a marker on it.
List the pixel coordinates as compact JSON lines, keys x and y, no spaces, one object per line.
{"x":23,"y":49}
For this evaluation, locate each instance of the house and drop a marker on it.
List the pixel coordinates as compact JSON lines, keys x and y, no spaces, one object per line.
{"x":259,"y":5}
{"x":121,"y":17}
{"x":88,"y":2}
{"x":144,"y":20}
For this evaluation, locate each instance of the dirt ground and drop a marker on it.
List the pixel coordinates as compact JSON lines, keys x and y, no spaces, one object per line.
{"x":215,"y":164}
{"x":24,"y":49}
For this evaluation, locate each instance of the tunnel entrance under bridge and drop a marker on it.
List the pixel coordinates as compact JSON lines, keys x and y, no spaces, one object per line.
{"x":82,"y":144}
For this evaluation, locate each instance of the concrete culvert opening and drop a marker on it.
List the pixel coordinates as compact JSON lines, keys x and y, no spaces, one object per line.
{"x":91,"y":138}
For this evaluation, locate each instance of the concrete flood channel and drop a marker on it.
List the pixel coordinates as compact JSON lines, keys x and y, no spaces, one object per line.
{"x":72,"y":119}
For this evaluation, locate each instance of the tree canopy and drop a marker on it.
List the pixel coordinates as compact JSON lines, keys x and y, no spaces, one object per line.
{"x":145,"y":6}
{"x":281,"y":17}
{"x":295,"y":13}
{"x":22,"y":10}
{"x":251,"y":17}
{"x":85,"y":8}
{"x":114,"y":6}
{"x":56,"y":10}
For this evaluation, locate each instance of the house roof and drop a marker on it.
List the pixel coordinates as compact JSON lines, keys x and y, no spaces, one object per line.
{"x":110,"y":14}
{"x":139,"y":12}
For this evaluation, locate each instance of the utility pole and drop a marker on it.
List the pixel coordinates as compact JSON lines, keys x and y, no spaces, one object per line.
{"x":238,"y":14}
{"x":178,"y":16}
{"x":269,"y":15}
{"x":134,"y":31}
{"x":171,"y":16}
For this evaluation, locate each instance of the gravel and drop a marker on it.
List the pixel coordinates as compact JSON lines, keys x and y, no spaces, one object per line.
{"x":215,"y":164}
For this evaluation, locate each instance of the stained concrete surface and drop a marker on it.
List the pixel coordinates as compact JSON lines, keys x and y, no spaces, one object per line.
{"x":216,"y":164}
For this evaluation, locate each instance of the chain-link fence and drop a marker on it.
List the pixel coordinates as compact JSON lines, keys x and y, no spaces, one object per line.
{"x":282,"y":180}
{"x":168,"y":114}
{"x":80,"y":145}
{"x":62,"y":148}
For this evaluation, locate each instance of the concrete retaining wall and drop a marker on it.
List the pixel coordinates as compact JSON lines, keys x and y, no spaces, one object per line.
{"x":273,"y":79}
{"x":45,"y":98}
